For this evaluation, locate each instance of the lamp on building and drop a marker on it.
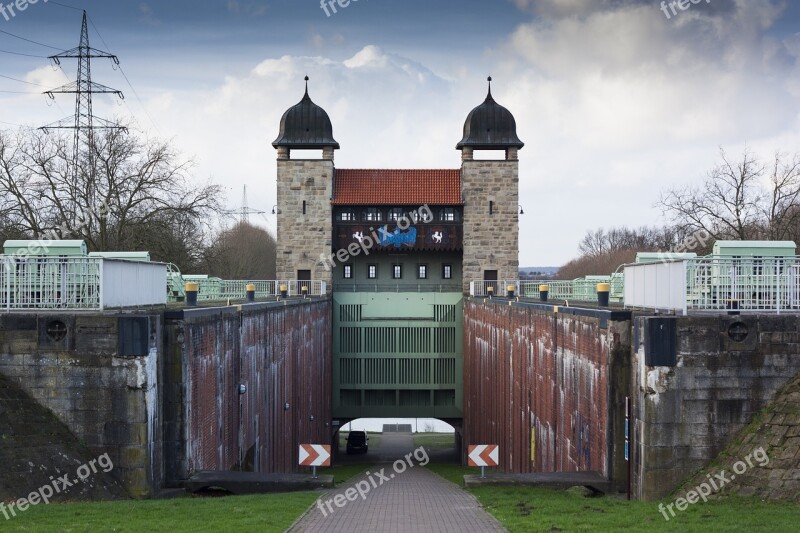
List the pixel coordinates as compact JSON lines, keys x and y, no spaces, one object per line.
{"x":275,"y":210}
{"x":521,"y":211}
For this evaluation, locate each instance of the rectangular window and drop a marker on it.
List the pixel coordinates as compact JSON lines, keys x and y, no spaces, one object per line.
{"x":422,"y":271}
{"x":447,"y":271}
{"x":348,"y":272}
{"x":397,"y":271}
{"x":347,"y":216}
{"x":372,"y":271}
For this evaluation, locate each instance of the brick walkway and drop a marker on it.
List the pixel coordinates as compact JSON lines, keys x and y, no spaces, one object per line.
{"x":415,"y":501}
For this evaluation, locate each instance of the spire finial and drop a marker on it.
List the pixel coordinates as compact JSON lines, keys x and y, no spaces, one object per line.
{"x":489,"y":79}
{"x":306,"y":78}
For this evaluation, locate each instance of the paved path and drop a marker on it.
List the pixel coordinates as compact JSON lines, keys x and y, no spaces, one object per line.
{"x":415,"y":500}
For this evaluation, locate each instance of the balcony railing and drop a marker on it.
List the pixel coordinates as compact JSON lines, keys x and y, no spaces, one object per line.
{"x":397,"y":287}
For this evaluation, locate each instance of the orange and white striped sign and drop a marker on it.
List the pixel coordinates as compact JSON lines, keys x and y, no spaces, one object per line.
{"x":483,"y":455}
{"x":315,"y":455}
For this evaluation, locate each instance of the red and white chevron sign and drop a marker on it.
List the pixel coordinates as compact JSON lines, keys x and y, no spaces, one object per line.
{"x":315,"y":455}
{"x":484,"y":455}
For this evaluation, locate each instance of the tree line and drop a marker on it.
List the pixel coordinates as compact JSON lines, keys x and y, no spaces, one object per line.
{"x":744,"y":198}
{"x":126,"y":193}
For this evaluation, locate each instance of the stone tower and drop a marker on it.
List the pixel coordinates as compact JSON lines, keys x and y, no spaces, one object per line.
{"x":490,"y":190}
{"x":305,"y":188}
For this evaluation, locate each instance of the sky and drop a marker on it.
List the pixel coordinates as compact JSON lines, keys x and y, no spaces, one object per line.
{"x":616,"y":100}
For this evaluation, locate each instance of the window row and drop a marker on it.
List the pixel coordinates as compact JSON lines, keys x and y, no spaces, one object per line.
{"x":348,"y":272}
{"x":374,"y":214}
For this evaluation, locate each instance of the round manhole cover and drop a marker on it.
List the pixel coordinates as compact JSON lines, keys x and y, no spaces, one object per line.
{"x":56,"y":330}
{"x":738,"y":331}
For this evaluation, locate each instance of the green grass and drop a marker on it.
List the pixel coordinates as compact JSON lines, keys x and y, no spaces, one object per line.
{"x":435,"y":440}
{"x":265,"y":512}
{"x":268,"y":512}
{"x":532,"y":509}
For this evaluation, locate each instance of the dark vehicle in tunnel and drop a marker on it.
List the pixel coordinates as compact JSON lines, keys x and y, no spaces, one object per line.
{"x":357,"y":442}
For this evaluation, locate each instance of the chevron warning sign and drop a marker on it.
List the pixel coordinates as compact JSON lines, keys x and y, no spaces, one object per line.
{"x":484,"y":455}
{"x":315,"y":455}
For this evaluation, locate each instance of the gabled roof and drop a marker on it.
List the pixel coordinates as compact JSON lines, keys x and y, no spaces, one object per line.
{"x":396,"y":187}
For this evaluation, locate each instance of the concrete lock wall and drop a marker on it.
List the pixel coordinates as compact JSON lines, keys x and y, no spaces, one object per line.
{"x":547,"y":386}
{"x":280,"y":352}
{"x":99,"y":375}
{"x":698,"y":381}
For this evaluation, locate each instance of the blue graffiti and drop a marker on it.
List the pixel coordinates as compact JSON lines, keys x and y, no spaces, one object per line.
{"x":397,"y":238}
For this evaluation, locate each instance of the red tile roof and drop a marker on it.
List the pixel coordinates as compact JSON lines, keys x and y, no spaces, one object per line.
{"x":396,"y":187}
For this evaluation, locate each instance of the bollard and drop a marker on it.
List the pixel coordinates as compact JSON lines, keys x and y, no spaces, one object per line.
{"x":284,"y":291}
{"x":544,"y":290}
{"x":251,"y":292}
{"x":603,"y":291}
{"x":304,"y":291}
{"x":191,"y":289}
{"x":490,"y":291}
{"x":510,"y":289}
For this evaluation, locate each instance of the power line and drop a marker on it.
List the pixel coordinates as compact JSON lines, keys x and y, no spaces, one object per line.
{"x":122,"y":71}
{"x":22,"y":81}
{"x":65,"y":5}
{"x":30,"y":41}
{"x":21,"y":54}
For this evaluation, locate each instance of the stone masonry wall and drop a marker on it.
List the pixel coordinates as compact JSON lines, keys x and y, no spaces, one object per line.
{"x":303,"y":238}
{"x":491,"y":242}
{"x":726,"y":370}
{"x":107,"y":399}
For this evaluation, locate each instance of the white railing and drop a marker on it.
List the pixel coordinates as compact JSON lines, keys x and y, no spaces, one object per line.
{"x":79,"y":283}
{"x":486,"y":288}
{"x":214,"y":289}
{"x":716,"y":284}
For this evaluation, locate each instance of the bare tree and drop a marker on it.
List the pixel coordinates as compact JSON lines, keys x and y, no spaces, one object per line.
{"x":733,"y":202}
{"x":128,"y":193}
{"x":780,"y":207}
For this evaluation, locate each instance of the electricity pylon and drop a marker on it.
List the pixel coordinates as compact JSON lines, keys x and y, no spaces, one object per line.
{"x":84,"y":122}
{"x":244,"y":211}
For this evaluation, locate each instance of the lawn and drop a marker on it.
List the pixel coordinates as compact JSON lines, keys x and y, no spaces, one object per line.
{"x":435,"y":440}
{"x":531,"y":509}
{"x":266,"y":512}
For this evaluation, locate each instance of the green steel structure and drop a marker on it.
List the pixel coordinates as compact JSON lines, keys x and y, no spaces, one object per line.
{"x":398,"y":354}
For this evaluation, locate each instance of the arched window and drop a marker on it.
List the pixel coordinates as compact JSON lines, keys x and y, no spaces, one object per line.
{"x":395,"y":214}
{"x":346,"y":215}
{"x":372,"y":214}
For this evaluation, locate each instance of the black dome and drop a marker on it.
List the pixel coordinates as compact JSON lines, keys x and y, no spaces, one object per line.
{"x":306,"y":126}
{"x":490,"y":126}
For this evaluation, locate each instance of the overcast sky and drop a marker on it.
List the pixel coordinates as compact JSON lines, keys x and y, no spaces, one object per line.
{"x":614,"y":100}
